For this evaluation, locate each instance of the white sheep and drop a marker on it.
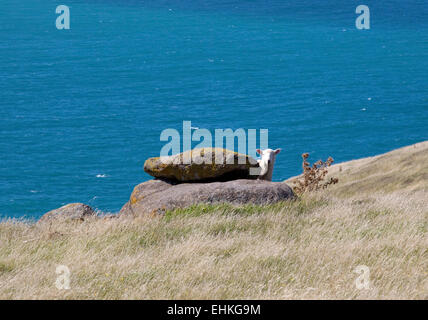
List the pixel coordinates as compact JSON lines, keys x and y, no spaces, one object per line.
{"x":266,"y":163}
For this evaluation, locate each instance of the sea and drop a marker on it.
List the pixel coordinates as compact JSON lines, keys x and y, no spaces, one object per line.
{"x":82,"y":108}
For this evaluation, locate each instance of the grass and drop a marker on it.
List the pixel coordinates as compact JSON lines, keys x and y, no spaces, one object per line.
{"x":404,"y":169}
{"x":303,"y":249}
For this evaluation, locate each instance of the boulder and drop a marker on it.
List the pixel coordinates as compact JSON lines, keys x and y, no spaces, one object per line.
{"x":203,"y":164}
{"x":158,"y":196}
{"x":72,"y":211}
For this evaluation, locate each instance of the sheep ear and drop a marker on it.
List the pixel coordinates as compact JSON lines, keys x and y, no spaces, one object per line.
{"x":277,"y":151}
{"x":259,"y":151}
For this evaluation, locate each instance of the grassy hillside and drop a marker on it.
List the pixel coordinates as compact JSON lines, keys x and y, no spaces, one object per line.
{"x":404,"y":169}
{"x":377,"y":216}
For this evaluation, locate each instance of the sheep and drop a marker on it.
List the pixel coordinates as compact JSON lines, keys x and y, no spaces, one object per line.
{"x":266,"y":163}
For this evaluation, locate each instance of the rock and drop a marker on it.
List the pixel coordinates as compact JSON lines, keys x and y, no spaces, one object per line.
{"x":72,"y":211}
{"x":232,"y":166}
{"x":158,"y":196}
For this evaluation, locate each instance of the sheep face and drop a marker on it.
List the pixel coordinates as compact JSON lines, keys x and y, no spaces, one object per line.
{"x":267,"y":162}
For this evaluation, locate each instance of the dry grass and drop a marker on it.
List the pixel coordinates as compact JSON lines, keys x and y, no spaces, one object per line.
{"x":404,"y":169}
{"x":307,"y":248}
{"x":313,"y":176}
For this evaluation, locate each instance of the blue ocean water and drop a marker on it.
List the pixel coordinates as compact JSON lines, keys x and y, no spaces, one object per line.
{"x":81,"y":109}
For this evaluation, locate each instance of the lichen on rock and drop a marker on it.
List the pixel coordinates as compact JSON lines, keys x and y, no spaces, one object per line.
{"x":203,"y":164}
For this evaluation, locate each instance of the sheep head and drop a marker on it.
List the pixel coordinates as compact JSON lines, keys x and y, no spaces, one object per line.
{"x":267,"y":162}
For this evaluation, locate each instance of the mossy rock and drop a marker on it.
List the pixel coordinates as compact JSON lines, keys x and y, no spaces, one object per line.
{"x":203,"y":164}
{"x":158,"y":196}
